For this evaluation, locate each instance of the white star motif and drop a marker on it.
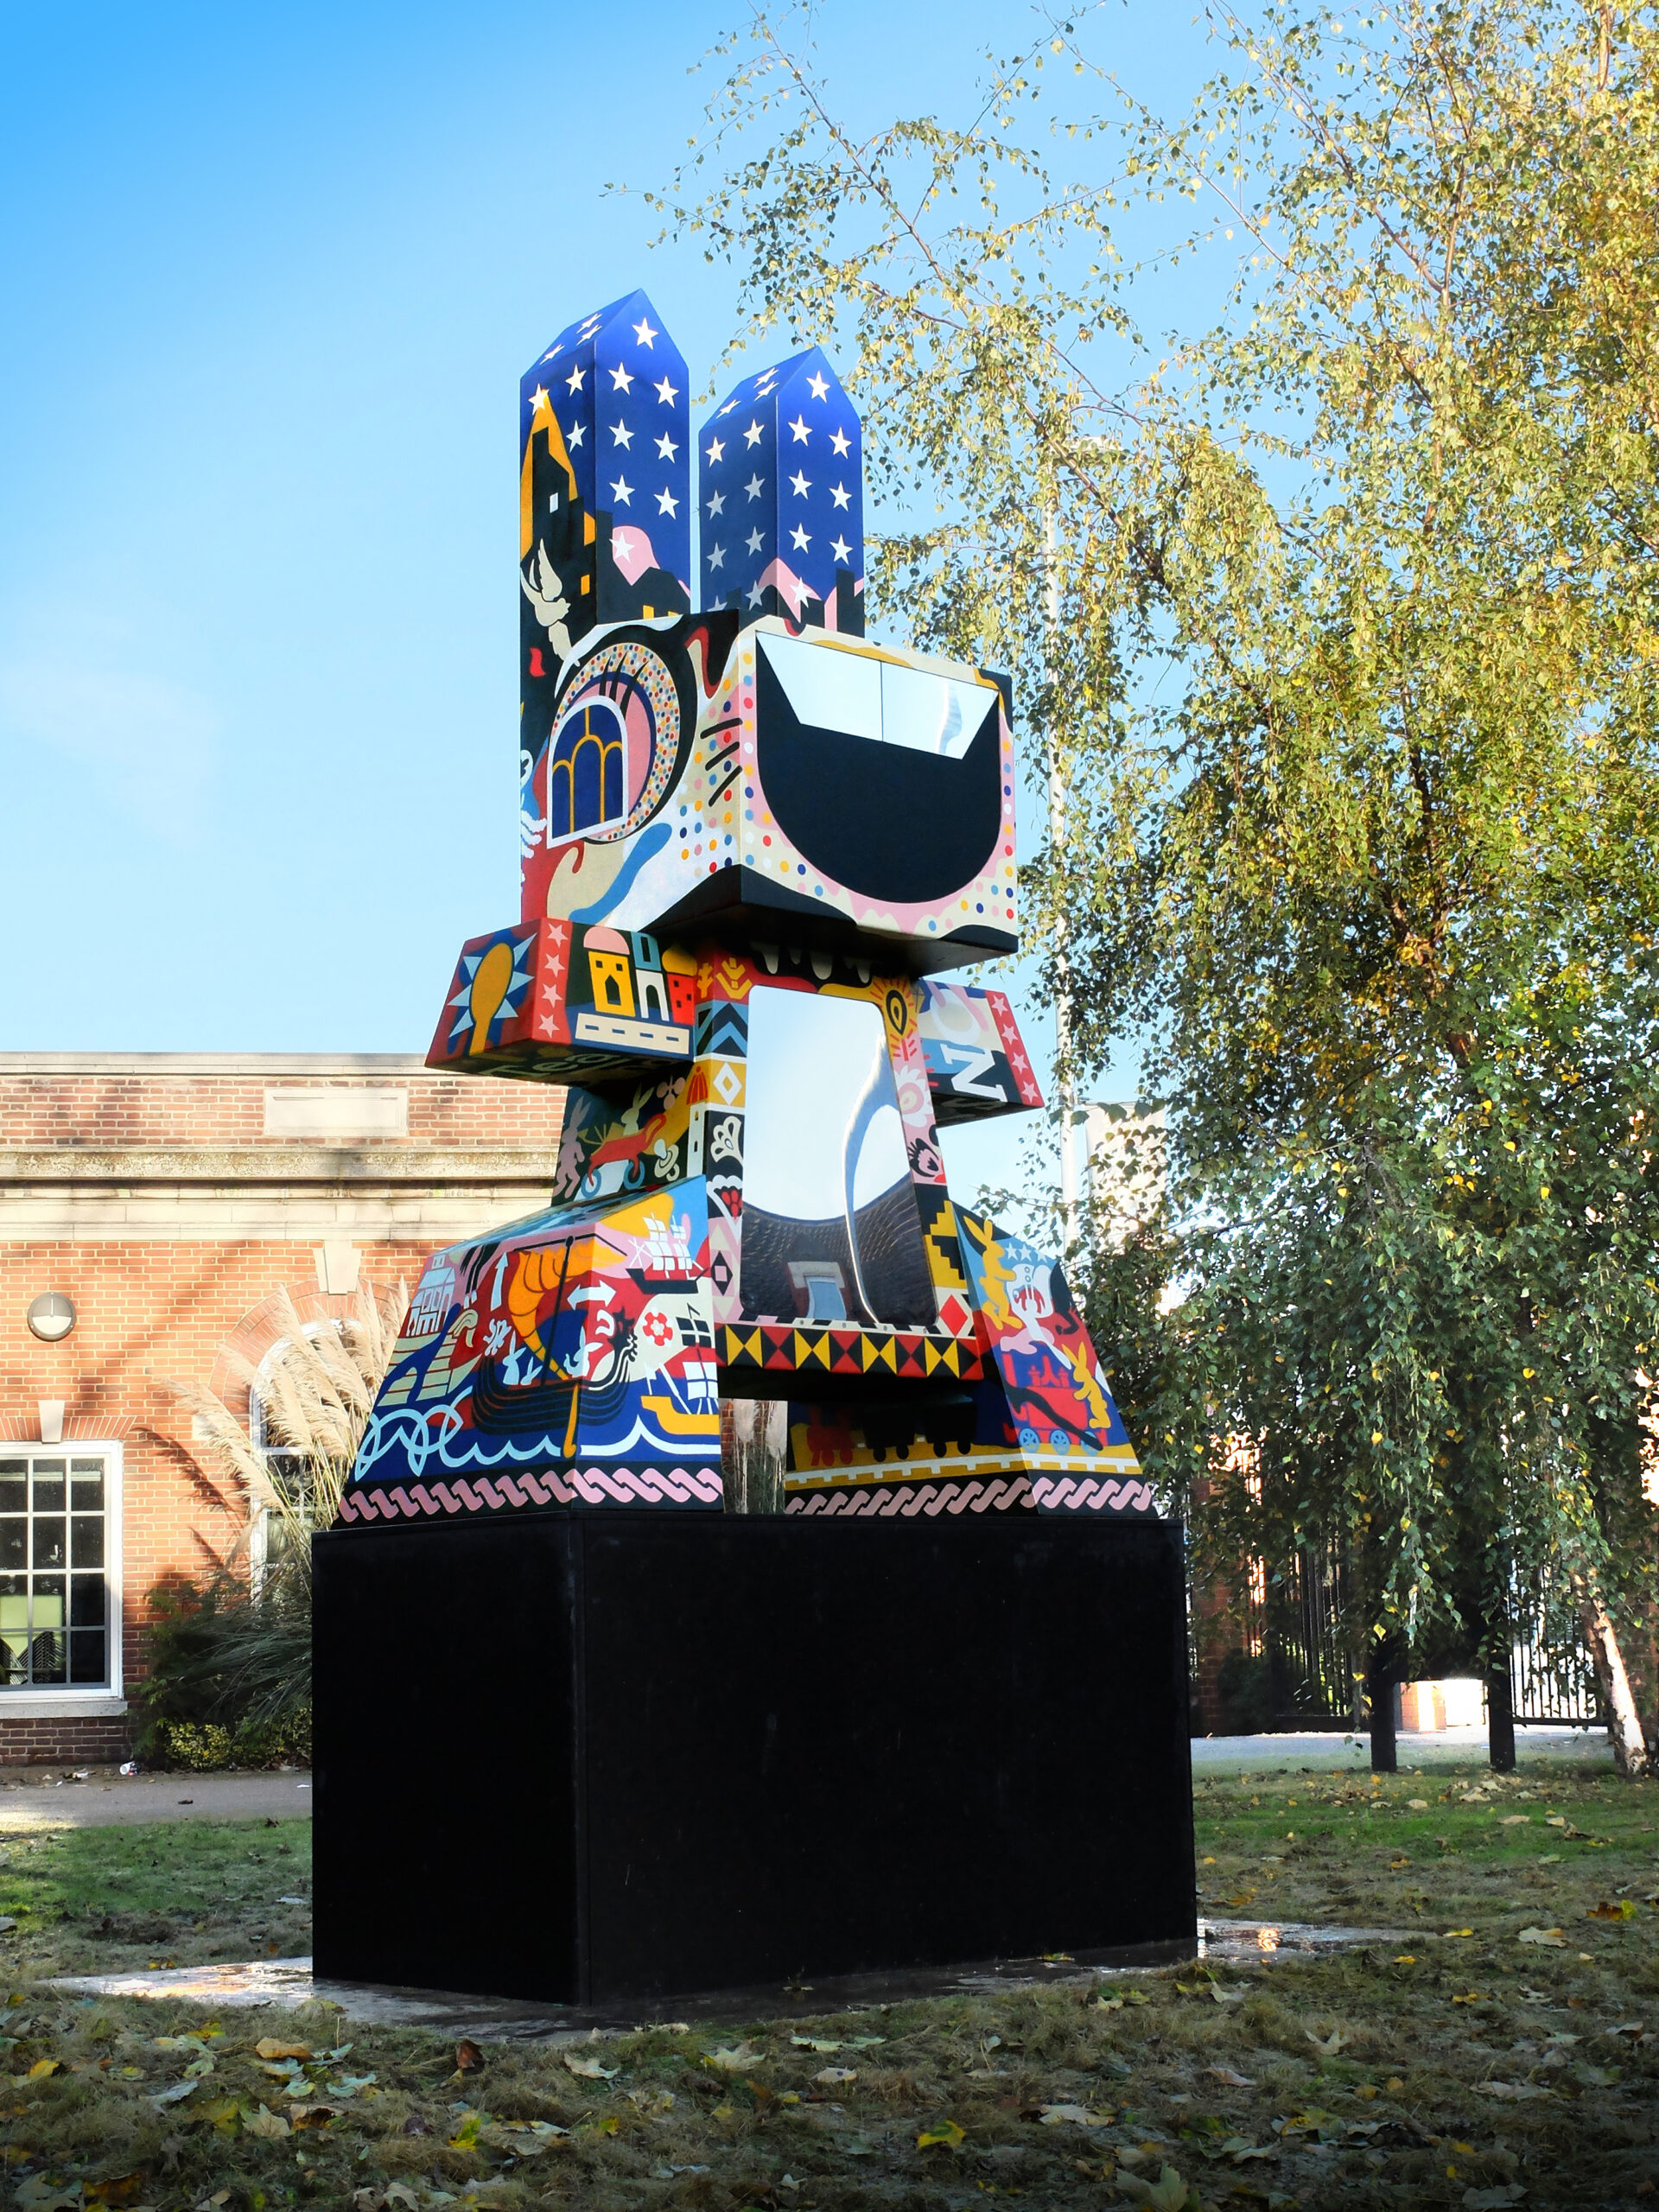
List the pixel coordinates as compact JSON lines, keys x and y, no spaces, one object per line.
{"x":799,"y":481}
{"x":730,"y":408}
{"x":755,"y":541}
{"x":576,"y":435}
{"x":624,"y":492}
{"x":717,"y":505}
{"x":799,"y":428}
{"x":818,"y":386}
{"x":754,"y":488}
{"x":842,"y":442}
{"x":840,"y":547}
{"x":755,"y":594}
{"x":538,"y":399}
{"x":839,"y":494}
{"x":623,"y":541}
{"x":798,"y":537}
{"x":574,"y":381}
{"x":642,"y":333}
{"x":621,"y":435}
{"x":667,"y":503}
{"x":666,"y":446}
{"x":752,"y":435}
{"x":716,"y":450}
{"x":620,"y":380}
{"x":717,"y":558}
{"x":666,"y":392}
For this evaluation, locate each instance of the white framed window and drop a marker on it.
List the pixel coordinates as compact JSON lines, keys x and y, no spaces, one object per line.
{"x":285,"y":1468}
{"x":61,"y":1577}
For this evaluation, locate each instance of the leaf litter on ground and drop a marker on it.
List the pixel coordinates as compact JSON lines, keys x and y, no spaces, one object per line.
{"x":1394,"y":2092}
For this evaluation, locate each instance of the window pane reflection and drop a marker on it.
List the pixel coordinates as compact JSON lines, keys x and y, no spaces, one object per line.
{"x":830,"y":1229}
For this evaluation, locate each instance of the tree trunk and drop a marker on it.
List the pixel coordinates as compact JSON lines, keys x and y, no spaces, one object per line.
{"x":1379,"y":1682}
{"x":1500,"y":1716}
{"x":1624,"y":1723}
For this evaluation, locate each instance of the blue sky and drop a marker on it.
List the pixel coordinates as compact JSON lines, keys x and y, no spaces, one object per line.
{"x":269,"y":279}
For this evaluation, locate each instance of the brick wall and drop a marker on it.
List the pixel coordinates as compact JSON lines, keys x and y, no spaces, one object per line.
{"x":169,"y":1260}
{"x":181,"y":1100}
{"x":64,"y":1743}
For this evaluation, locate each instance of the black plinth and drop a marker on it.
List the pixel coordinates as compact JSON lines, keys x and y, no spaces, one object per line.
{"x":604,"y":1754}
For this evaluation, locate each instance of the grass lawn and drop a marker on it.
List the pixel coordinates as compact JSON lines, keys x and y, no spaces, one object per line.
{"x":1466,"y":2064}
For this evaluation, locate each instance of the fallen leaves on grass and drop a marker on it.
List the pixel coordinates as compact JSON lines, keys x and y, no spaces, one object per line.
{"x":725,"y":2058}
{"x":1620,"y":1908}
{"x":1077,"y":2115}
{"x":1169,"y":2193}
{"x":1553,"y":1937}
{"x":944,"y":2133}
{"x":591,"y":2070}
{"x":269,"y":2048}
{"x":270,"y":2126}
{"x":1331,"y":2045}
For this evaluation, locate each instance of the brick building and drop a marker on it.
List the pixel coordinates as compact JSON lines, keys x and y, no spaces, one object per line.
{"x":152,"y":1206}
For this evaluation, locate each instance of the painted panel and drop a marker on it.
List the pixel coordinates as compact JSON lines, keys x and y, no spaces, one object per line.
{"x":575,"y":1346}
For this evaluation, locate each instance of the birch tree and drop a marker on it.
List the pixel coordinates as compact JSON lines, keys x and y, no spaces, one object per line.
{"x":1338,"y":615}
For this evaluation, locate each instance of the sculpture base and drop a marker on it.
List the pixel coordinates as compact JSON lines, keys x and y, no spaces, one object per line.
{"x":600,"y":1755}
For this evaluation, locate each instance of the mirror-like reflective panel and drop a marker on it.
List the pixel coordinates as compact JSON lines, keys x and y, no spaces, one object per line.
{"x":830,"y":1230}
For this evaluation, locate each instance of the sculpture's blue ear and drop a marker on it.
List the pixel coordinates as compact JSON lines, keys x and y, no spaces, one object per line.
{"x":604,"y":487}
{"x":780,"y":500}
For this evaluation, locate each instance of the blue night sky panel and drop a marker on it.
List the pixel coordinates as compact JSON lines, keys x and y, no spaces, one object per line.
{"x":619,"y":389}
{"x":780,"y":479}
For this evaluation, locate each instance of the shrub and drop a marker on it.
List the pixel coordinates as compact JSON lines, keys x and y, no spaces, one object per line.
{"x":1244,"y":1693}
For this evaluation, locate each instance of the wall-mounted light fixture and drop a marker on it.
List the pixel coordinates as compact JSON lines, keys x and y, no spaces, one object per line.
{"x":52,"y":1315}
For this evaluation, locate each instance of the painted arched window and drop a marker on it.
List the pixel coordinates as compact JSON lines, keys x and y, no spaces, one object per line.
{"x":586,"y":776}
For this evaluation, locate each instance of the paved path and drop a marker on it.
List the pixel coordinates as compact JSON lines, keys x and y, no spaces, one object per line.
{"x":107,"y":1799}
{"x":1326,"y":1752}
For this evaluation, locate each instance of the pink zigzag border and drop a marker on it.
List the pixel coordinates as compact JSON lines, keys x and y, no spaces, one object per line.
{"x":1066,"y":1494}
{"x":583,"y":1485}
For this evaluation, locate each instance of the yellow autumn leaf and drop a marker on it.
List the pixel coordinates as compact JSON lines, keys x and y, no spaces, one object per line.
{"x":944,"y":2130}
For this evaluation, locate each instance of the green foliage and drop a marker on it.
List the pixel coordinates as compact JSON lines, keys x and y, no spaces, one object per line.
{"x":230,"y":1657}
{"x":1244,"y":1693}
{"x":229,"y":1682}
{"x":205,"y":1747}
{"x":1339,"y":618}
